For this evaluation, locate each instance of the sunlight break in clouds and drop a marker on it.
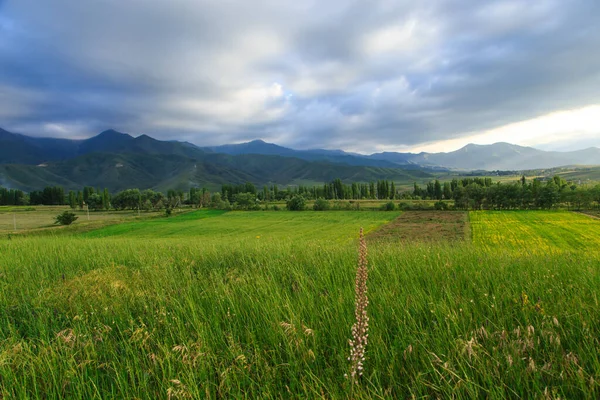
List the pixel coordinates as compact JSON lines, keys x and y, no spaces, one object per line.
{"x":561,"y":129}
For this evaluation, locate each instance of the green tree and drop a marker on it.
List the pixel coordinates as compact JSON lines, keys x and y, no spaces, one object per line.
{"x":65,"y":218}
{"x":72,"y":199}
{"x":447,"y":191}
{"x":321,"y":205}
{"x":80,"y":199}
{"x":105,"y":199}
{"x":437,"y":190}
{"x":296,"y":203}
{"x":94,"y":202}
{"x":245,"y":201}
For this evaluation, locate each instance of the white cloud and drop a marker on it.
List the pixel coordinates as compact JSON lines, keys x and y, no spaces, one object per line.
{"x":357,"y":75}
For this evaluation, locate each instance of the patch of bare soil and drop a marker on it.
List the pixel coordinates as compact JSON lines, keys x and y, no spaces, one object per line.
{"x":424,"y":226}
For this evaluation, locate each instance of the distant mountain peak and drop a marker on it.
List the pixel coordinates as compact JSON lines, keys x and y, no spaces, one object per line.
{"x":146,"y":137}
{"x":112,"y":132}
{"x":17,"y":148}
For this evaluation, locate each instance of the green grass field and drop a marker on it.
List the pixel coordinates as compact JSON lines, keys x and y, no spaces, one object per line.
{"x":196,"y":306}
{"x":218,"y":226}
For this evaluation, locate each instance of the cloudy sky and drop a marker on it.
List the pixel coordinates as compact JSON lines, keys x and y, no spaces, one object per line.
{"x":363,"y":76}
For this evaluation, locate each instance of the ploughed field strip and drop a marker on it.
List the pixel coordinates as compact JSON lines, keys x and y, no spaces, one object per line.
{"x":535,"y":231}
{"x":424,"y":226}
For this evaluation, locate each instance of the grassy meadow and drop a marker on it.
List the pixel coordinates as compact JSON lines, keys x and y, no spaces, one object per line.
{"x":261,"y":304}
{"x":216,"y":226}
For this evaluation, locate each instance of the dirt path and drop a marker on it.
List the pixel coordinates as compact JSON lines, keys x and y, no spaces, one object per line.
{"x":587,"y":215}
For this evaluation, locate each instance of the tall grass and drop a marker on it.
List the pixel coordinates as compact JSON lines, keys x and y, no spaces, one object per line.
{"x":126,"y":318}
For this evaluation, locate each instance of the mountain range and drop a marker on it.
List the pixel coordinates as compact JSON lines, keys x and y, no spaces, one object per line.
{"x":117,"y":161}
{"x":493,"y":157}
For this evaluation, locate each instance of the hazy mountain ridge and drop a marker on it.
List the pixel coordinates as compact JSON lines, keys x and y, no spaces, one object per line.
{"x":118,"y":160}
{"x":335,"y":156}
{"x":498,"y":156}
{"x":506,"y":156}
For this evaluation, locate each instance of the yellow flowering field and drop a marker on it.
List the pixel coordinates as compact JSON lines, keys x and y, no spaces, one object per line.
{"x":535,"y":231}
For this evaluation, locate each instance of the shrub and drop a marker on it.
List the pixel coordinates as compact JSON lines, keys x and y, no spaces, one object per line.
{"x":338,"y":205}
{"x":65,"y":218}
{"x":440,"y":205}
{"x":321,"y":205}
{"x":404,"y":206}
{"x":296,"y":203}
{"x":389,"y":206}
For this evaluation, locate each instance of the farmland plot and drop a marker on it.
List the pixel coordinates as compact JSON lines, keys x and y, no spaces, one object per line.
{"x":535,"y":231}
{"x":219,"y":226}
{"x":424,"y":226}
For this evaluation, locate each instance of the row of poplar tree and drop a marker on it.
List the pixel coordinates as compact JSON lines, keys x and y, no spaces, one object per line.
{"x":334,"y":190}
{"x":467,"y":193}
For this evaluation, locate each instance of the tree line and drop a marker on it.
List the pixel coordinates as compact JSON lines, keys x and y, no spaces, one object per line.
{"x":334,"y":190}
{"x":482,"y":193}
{"x":467,"y":193}
{"x":12,"y":197}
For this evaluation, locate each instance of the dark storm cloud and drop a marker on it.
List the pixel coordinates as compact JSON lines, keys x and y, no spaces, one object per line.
{"x":334,"y":74}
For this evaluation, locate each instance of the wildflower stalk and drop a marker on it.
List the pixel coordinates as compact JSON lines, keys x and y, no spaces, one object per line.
{"x":360,"y":335}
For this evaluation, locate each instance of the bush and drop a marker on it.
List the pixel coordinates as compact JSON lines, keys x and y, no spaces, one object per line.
{"x":389,"y":206}
{"x":321,"y":205}
{"x":404,"y":206}
{"x":65,"y":218}
{"x":338,"y":205}
{"x":440,"y":205}
{"x":296,"y":203}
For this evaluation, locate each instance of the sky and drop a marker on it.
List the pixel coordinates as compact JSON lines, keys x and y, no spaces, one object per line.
{"x":363,"y":76}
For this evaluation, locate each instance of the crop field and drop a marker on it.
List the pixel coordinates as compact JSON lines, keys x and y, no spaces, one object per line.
{"x":218,"y":226}
{"x":215,"y":305}
{"x":22,"y":219}
{"x":535,"y":231}
{"x":425,"y":226}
